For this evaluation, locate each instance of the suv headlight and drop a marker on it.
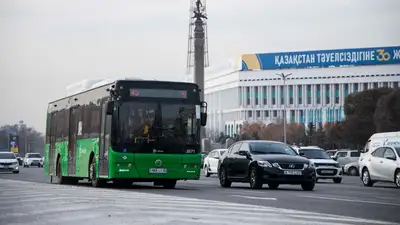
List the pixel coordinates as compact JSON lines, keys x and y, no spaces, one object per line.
{"x":337,"y":165}
{"x":264,"y":163}
{"x":309,"y":165}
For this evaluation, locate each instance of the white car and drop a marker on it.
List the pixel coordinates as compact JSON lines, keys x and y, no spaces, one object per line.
{"x":8,"y":162}
{"x":325,"y":167}
{"x":381,"y":164}
{"x":211,"y":161}
{"x":33,"y":159}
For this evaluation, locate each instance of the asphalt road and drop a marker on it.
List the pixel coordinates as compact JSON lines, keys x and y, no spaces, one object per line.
{"x":350,"y":198}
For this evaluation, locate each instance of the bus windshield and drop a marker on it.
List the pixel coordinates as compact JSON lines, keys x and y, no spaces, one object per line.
{"x":151,"y":126}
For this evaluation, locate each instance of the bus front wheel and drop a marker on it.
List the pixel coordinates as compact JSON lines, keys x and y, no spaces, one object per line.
{"x":94,"y":180}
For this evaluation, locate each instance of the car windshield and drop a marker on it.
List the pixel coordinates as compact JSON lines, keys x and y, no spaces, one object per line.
{"x":36,"y":155}
{"x":165,"y":128}
{"x":271,"y":148}
{"x":7,"y":156}
{"x":311,"y":153}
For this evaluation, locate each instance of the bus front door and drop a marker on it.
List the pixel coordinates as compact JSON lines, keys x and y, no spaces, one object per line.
{"x":104,"y":142}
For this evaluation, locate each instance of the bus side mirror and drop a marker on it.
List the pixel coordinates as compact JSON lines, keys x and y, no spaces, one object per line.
{"x":110,"y":108}
{"x":203,"y":113}
{"x":203,"y":119}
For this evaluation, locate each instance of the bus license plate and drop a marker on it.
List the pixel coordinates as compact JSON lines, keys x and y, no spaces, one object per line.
{"x":292,"y":172}
{"x":157,"y":170}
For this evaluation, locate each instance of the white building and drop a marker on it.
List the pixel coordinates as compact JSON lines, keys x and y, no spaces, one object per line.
{"x":248,"y":89}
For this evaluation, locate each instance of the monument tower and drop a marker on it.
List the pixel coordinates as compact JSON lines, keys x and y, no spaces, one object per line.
{"x":197,"y":40}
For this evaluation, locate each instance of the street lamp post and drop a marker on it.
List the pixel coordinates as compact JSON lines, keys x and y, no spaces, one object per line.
{"x":283,"y":77}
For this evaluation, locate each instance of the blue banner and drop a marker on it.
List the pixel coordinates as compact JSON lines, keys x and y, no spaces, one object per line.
{"x":322,"y":58}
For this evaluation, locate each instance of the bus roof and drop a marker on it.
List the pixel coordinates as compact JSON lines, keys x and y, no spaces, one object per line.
{"x":106,"y":83}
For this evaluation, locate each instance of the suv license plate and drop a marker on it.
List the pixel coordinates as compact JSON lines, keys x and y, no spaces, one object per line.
{"x":157,"y":170}
{"x":292,"y":172}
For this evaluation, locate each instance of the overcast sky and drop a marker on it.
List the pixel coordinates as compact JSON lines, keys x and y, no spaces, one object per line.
{"x":48,"y":44}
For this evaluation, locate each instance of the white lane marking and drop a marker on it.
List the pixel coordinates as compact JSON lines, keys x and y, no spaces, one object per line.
{"x":254,"y":197}
{"x":350,"y":200}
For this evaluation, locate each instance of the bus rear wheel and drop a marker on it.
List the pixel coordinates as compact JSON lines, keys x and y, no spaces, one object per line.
{"x":169,"y":184}
{"x":60,"y":178}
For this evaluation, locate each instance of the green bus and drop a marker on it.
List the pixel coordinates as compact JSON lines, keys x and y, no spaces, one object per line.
{"x":126,"y":131}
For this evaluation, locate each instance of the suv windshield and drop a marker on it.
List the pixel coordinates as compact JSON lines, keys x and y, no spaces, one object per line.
{"x":311,"y":153}
{"x":152,"y":126}
{"x":36,"y":155}
{"x":7,"y":156}
{"x":271,"y":148}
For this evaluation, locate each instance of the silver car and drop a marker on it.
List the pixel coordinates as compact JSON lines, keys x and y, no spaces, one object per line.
{"x":351,"y":168}
{"x":8,"y":162}
{"x":382,"y":164}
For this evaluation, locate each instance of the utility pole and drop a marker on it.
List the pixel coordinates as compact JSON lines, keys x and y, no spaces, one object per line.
{"x":284,"y":77}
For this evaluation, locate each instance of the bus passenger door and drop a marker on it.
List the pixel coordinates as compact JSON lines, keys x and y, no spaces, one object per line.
{"x":73,"y":131}
{"x":52,"y":147}
{"x":104,"y":141}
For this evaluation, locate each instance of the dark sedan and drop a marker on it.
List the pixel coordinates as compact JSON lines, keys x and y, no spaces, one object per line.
{"x":265,"y":162}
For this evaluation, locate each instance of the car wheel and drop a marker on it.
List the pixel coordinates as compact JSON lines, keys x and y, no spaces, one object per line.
{"x":353,"y":171}
{"x":223,"y":178}
{"x":255,"y":179}
{"x":337,"y":180}
{"x":273,"y":185}
{"x":366,"y":179}
{"x":206,"y":173}
{"x":397,"y":179}
{"x":309,"y":186}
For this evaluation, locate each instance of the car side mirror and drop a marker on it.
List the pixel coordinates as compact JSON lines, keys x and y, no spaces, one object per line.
{"x":391,"y":157}
{"x":301,"y":153}
{"x":110,"y":108}
{"x":243,"y":152}
{"x":334,"y":157}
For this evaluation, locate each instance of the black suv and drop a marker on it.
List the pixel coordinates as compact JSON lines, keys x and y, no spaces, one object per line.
{"x":265,"y":162}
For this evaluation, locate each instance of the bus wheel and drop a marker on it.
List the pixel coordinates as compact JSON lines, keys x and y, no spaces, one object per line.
{"x":96,"y":182}
{"x":169,"y":184}
{"x":60,"y":178}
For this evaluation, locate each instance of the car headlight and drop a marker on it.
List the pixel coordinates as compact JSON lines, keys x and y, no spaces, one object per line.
{"x":337,"y":165}
{"x":15,"y":163}
{"x":264,"y":163}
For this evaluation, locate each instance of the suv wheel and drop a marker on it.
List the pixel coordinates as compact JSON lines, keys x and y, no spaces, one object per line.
{"x":309,"y":186}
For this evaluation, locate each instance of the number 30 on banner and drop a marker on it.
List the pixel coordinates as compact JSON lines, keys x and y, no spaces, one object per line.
{"x":382,"y":55}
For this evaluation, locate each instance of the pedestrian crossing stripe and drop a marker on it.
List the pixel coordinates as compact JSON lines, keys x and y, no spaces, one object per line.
{"x":37,"y":203}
